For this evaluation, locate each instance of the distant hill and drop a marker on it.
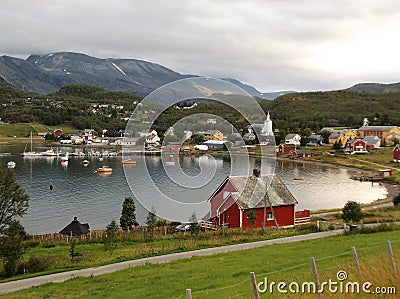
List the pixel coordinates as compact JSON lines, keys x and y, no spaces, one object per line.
{"x":45,"y":74}
{"x":375,"y":88}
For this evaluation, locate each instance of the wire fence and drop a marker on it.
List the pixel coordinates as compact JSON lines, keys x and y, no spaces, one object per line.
{"x":348,"y":275}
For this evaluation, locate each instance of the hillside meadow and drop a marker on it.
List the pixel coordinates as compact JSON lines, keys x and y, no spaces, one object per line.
{"x":227,"y":275}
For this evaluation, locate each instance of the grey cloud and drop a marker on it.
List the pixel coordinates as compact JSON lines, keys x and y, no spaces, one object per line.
{"x":269,"y":44}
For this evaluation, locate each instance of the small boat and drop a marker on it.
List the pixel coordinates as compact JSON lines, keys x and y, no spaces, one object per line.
{"x":65,"y":158}
{"x":49,"y":153}
{"x":31,"y":152}
{"x":170,"y":163}
{"x":104,"y":169}
{"x":11,"y":164}
{"x":101,"y":159}
{"x":85,"y":162}
{"x":128,"y":162}
{"x":296,"y":178}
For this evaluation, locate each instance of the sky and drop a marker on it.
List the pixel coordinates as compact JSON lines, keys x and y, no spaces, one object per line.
{"x":273,"y":45}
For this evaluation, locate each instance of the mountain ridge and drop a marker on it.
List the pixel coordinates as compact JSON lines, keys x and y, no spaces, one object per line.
{"x":45,"y":74}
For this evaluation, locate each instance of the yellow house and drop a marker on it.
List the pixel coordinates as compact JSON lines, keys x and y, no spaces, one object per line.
{"x":342,"y":136}
{"x":213,"y":135}
{"x":384,"y":133}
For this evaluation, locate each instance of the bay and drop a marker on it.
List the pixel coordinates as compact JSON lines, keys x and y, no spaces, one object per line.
{"x":97,"y":199}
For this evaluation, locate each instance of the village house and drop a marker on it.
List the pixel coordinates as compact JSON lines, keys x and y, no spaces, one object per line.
{"x":372,"y":142}
{"x":300,"y":154}
{"x":213,"y":135}
{"x":293,"y":139}
{"x":393,"y":138}
{"x":152,"y":139}
{"x":314,"y":140}
{"x":75,"y":228}
{"x":266,"y":195}
{"x":357,"y":146}
{"x":382,"y":132}
{"x":396,"y":154}
{"x":285,"y":148}
{"x":342,"y":136}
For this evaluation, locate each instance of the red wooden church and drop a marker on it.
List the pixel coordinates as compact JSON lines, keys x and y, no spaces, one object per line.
{"x":233,"y":200}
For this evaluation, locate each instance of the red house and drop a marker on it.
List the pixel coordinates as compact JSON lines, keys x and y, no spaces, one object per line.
{"x":300,"y":154}
{"x":233,"y":200}
{"x":356,"y":146}
{"x":57,"y":133}
{"x":396,"y":153}
{"x":286,"y":148}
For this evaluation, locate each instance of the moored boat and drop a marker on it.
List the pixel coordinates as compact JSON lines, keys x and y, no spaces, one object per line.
{"x":104,"y":170}
{"x":31,"y":152}
{"x":85,"y":162}
{"x":11,"y":164}
{"x":128,"y":162}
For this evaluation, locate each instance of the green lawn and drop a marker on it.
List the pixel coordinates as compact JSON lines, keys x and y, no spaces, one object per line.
{"x":227,"y":275}
{"x":24,"y":129}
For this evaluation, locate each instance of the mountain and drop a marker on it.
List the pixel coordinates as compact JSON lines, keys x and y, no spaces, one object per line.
{"x":375,"y":88}
{"x":48,"y":73}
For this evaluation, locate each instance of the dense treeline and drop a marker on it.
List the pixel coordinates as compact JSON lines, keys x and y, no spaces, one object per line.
{"x":297,"y":113}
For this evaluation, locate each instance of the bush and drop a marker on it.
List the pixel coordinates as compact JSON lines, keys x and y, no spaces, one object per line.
{"x":396,"y":200}
{"x":33,"y":265}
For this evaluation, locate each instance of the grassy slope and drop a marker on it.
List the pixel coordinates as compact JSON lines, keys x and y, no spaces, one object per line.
{"x":223,"y":270}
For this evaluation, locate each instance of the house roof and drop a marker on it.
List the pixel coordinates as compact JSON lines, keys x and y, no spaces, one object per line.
{"x":303,"y":152}
{"x":371,"y":139}
{"x":290,"y":136}
{"x":376,"y":128}
{"x":335,"y":135}
{"x":251,"y":191}
{"x":75,"y":228}
{"x":212,"y":132}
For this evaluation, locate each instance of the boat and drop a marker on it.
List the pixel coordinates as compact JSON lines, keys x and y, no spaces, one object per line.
{"x":49,"y":153}
{"x":101,"y":159}
{"x":104,"y":170}
{"x":64,"y":158}
{"x":31,"y":152}
{"x":128,"y":162}
{"x":85,"y":162}
{"x":170,"y":163}
{"x":11,"y":164}
{"x":296,"y":178}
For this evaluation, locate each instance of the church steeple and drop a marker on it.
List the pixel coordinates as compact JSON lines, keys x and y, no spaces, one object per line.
{"x":267,"y":128}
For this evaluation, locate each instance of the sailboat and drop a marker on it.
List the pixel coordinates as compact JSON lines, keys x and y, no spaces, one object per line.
{"x":31,"y":153}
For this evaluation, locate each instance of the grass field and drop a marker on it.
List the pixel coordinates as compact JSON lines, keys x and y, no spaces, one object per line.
{"x":227,"y":275}
{"x":25,"y":129}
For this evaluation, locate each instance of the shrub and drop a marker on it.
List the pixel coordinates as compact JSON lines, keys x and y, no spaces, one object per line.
{"x":33,"y":265}
{"x":396,"y":200}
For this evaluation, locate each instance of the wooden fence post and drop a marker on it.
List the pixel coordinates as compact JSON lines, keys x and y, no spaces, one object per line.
{"x":353,"y":249}
{"x":254,"y":283}
{"x":188,"y":294}
{"x":314,"y":268}
{"x":391,"y":257}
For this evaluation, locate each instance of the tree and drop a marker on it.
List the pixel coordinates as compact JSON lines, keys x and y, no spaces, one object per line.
{"x":396,"y":200}
{"x":194,"y":225}
{"x":352,"y":212}
{"x":72,"y":251}
{"x":110,"y":241}
{"x":252,"y":217}
{"x":11,"y":247}
{"x":337,"y":146}
{"x":151,"y":222}
{"x":128,"y":216}
{"x":13,"y":199}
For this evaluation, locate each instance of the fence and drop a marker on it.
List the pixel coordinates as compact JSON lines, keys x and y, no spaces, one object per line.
{"x":317,"y":287}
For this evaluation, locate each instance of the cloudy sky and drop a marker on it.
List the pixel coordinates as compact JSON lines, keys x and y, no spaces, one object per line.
{"x":272,"y":44}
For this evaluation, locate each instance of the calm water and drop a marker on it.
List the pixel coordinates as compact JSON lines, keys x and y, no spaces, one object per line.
{"x":97,"y":199}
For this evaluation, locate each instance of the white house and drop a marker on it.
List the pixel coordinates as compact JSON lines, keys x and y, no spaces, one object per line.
{"x":293,"y":139}
{"x":153,"y":138}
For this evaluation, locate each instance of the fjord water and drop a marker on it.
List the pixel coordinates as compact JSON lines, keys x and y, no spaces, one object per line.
{"x":97,"y":199}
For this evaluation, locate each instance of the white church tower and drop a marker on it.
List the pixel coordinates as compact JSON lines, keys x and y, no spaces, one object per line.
{"x":267,"y":128}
